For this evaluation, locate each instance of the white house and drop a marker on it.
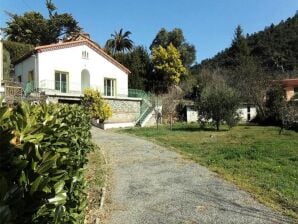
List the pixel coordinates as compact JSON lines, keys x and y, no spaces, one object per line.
{"x":67,"y":68}
{"x":62,"y":71}
{"x":247,"y":112}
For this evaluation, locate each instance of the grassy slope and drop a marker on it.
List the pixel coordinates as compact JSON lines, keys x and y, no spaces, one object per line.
{"x":255,"y":158}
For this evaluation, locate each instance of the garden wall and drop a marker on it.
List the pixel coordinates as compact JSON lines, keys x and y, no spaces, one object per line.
{"x":125,"y":111}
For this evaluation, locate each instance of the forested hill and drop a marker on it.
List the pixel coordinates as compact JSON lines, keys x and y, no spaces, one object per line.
{"x":275,"y":48}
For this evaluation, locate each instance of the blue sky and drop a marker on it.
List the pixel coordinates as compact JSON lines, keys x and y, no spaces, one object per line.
{"x":208,"y":24}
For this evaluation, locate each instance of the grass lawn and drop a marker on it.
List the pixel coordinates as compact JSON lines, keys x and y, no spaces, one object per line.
{"x":255,"y":158}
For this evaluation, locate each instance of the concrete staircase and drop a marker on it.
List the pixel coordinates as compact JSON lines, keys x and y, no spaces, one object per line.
{"x":147,"y":106}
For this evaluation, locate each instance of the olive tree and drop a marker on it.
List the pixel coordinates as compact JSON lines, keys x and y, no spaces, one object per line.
{"x":219,"y":103}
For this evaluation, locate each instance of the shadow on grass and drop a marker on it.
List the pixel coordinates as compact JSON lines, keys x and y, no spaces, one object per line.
{"x":193,"y":129}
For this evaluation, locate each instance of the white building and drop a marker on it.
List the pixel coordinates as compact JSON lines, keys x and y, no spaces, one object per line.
{"x":67,"y":68}
{"x":62,"y":71}
{"x":247,"y":112}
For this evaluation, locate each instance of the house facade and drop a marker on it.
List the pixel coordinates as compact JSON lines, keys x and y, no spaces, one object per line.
{"x":247,"y":112}
{"x":291,"y":88}
{"x":66,"y":69}
{"x":62,"y":71}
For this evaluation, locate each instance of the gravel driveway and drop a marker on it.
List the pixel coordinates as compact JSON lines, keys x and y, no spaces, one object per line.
{"x":156,"y":185}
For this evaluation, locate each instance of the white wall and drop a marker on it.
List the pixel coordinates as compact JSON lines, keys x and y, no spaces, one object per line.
{"x":70,"y":60}
{"x":243,"y":112}
{"x":22,"y":69}
{"x":192,"y":115}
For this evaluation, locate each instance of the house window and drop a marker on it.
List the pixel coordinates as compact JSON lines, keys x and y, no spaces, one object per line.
{"x":61,"y":81}
{"x":19,"y":78}
{"x":109,"y":87}
{"x":85,"y":55}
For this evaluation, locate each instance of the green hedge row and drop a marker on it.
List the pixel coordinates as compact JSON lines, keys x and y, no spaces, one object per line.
{"x":42,"y":154}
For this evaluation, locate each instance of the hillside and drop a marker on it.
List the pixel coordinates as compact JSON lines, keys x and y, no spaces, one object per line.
{"x":275,"y":48}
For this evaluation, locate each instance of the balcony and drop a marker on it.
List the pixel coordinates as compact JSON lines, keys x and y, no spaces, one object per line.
{"x":52,"y":87}
{"x":72,"y":89}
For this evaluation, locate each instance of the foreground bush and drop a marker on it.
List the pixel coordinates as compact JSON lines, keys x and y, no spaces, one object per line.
{"x":42,"y":153}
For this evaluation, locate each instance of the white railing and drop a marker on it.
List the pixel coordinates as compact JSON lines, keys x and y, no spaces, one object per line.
{"x":52,"y":87}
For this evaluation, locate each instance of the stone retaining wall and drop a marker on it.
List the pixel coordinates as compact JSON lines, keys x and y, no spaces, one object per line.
{"x":124,"y":109}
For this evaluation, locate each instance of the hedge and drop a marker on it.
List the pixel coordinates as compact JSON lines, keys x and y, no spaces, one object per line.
{"x":42,"y":154}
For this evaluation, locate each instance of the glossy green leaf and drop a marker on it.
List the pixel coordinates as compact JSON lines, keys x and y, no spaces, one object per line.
{"x":59,"y":212}
{"x":59,"y":186}
{"x":37,"y":154}
{"x":59,"y":199}
{"x":23,"y":179}
{"x":46,"y":166}
{"x":46,"y":189}
{"x":63,"y":150}
{"x":35,"y":184}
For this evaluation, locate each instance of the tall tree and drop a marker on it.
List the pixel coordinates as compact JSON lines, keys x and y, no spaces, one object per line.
{"x":33,"y":28}
{"x":138,"y":62}
{"x":119,"y":42}
{"x":29,"y":28}
{"x":275,"y":48}
{"x":252,"y":82}
{"x":239,"y":49}
{"x":167,"y":67}
{"x":164,"y":38}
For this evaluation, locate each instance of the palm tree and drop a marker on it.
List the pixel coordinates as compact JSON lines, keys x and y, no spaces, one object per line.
{"x":119,"y":42}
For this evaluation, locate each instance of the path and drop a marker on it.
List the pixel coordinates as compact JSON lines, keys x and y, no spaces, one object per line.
{"x":156,"y":185}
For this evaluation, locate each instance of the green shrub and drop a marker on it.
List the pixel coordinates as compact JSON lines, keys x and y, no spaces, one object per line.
{"x":42,"y":153}
{"x":97,"y":106}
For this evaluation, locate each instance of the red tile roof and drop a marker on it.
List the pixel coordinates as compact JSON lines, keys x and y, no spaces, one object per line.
{"x":289,"y":82}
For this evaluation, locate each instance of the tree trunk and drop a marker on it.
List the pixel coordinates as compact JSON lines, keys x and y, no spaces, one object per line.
{"x":171,"y":122}
{"x":217,"y":125}
{"x":261,"y":111}
{"x":281,"y":129}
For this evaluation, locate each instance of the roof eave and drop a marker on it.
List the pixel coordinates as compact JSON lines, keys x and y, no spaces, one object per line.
{"x":87,"y":42}
{"x":24,"y":57}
